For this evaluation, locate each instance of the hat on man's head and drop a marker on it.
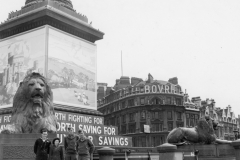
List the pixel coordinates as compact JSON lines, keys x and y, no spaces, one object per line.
{"x":80,"y":131}
{"x":70,"y":128}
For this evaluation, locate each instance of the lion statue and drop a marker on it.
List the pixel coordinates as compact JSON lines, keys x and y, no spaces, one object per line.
{"x":203,"y":133}
{"x":32,"y":107}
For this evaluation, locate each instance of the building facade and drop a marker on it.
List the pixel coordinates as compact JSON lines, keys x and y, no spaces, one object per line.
{"x":228,"y":122}
{"x":146,"y":110}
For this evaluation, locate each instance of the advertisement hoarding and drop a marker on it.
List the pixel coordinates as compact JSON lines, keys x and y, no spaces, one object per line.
{"x":92,"y":126}
{"x":72,"y":69}
{"x":19,"y":55}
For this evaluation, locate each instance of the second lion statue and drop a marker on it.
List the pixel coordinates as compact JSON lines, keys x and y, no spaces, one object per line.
{"x":203,"y":133}
{"x":32,"y":107}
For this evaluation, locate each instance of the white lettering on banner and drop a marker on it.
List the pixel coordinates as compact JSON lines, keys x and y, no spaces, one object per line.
{"x":7,"y":119}
{"x":109,"y":131}
{"x":60,"y":116}
{"x":79,"y":118}
{"x":98,"y":120}
{"x":91,"y":129}
{"x":0,"y":119}
{"x":114,"y":141}
{"x":63,"y":126}
{"x":3,"y":127}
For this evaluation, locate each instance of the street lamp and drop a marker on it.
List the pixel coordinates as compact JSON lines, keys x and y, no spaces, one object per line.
{"x":236,"y":134}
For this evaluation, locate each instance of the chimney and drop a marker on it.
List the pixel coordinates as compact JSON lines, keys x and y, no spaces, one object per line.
{"x":125,"y":80}
{"x":173,"y":80}
{"x":117,"y":81}
{"x":135,"y":80}
{"x":150,"y":78}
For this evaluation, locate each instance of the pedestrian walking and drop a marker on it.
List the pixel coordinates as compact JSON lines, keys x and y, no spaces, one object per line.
{"x":85,"y":147}
{"x":70,"y":145}
{"x":56,"y":151}
{"x":42,"y":146}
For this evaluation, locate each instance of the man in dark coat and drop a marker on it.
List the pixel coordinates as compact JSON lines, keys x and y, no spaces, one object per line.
{"x":42,"y":146}
{"x":70,"y":145}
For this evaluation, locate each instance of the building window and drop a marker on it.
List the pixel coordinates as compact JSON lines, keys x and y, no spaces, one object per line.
{"x":179,"y":115}
{"x":132,"y":128}
{"x":124,"y":129}
{"x":118,"y":120}
{"x":142,"y":89}
{"x":169,"y":115}
{"x":179,"y":124}
{"x":142,"y":101}
{"x":157,"y":115}
{"x":157,"y":140}
{"x":143,"y":115}
{"x":157,"y":127}
{"x":170,"y":126}
{"x":142,"y":126}
{"x":178,"y":102}
{"x":132,"y":117}
{"x":123,"y":105}
{"x":112,"y":121}
{"x":135,"y":141}
{"x":156,"y":101}
{"x":187,"y":120}
{"x":191,"y":120}
{"x":123,"y":118}
{"x":142,"y":141}
{"x":168,"y":100}
{"x":196,"y":119}
{"x":131,"y":102}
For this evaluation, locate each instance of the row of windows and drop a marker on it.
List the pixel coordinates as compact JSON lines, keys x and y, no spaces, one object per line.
{"x":133,"y":102}
{"x":154,"y":127}
{"x":141,"y":141}
{"x":143,"y":114}
{"x":191,"y":120}
{"x":129,"y":91}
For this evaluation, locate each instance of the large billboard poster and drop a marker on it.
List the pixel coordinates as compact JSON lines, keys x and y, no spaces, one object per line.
{"x":72,"y":69}
{"x":20,"y":55}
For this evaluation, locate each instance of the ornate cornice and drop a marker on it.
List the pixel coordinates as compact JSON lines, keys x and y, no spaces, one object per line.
{"x":48,"y":15}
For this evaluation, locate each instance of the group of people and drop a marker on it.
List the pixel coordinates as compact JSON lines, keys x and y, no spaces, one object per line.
{"x":76,"y":147}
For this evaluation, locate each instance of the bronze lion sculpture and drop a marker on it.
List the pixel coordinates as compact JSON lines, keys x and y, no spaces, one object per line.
{"x":202,"y":133}
{"x":32,"y":107}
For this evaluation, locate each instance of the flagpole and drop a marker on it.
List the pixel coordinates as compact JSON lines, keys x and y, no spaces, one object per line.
{"x":121,"y":63}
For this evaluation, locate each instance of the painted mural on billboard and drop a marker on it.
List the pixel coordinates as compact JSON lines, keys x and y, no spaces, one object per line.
{"x":20,"y":55}
{"x":72,"y":69}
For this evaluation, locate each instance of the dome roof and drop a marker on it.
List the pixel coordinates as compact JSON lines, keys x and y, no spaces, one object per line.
{"x":65,"y":3}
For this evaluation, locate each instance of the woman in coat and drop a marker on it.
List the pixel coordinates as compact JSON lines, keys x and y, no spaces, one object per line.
{"x":56,"y":151}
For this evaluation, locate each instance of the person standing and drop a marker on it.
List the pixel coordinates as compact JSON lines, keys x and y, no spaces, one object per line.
{"x":56,"y":151}
{"x":70,"y":145}
{"x":42,"y":146}
{"x":85,"y":147}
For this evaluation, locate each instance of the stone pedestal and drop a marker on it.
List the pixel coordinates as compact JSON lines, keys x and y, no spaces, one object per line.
{"x":106,"y":153}
{"x":19,"y":146}
{"x":169,"y":152}
{"x":236,"y":145}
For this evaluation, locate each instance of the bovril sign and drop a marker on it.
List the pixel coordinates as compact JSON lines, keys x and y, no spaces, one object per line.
{"x":93,"y":126}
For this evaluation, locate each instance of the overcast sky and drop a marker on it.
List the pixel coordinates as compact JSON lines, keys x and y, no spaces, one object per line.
{"x":196,"y":41}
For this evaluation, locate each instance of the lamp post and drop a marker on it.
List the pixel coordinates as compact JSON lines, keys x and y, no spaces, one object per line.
{"x":236,"y":134}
